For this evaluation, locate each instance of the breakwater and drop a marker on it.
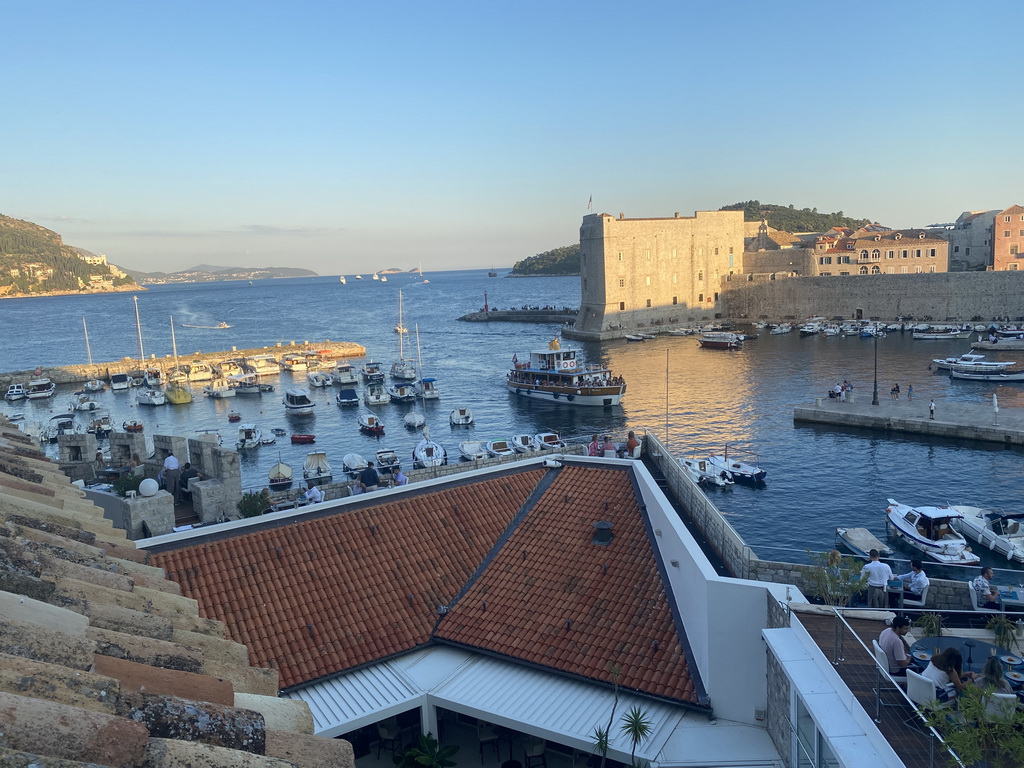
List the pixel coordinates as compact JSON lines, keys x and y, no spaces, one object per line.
{"x":77,"y":374}
{"x":550,"y":315}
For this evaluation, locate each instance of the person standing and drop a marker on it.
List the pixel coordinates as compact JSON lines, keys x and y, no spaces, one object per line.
{"x":878,"y":574}
{"x":896,"y":649}
{"x":910,"y":391}
{"x":172,"y":470}
{"x":931,"y":409}
{"x":895,"y":391}
{"x":369,"y":478}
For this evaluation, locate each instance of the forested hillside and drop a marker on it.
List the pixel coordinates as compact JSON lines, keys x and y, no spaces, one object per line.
{"x":791,"y":219}
{"x":558,"y":261}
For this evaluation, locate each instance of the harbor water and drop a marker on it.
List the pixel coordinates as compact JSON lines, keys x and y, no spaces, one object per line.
{"x":702,"y":400}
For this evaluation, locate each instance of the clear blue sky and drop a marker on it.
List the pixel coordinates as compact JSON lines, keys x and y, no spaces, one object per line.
{"x":345,"y":136}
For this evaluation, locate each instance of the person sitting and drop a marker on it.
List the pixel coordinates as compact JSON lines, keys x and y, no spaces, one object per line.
{"x":945,"y":670}
{"x":988,"y":596}
{"x":609,"y":449}
{"x":313,"y":494}
{"x":891,"y":640}
{"x":369,"y":478}
{"x":914,"y":580}
{"x":629,"y":451}
{"x":399,"y":477}
{"x":188,"y":473}
{"x":992,"y":676}
{"x":594,"y":449}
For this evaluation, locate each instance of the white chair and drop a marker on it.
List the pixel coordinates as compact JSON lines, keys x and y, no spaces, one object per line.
{"x":976,"y":603}
{"x":611,"y":454}
{"x":921,"y":691}
{"x":920,"y":602}
{"x":1001,"y":706}
{"x":882,"y":676}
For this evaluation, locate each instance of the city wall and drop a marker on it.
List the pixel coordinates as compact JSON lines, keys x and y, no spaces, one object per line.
{"x":952,"y":295}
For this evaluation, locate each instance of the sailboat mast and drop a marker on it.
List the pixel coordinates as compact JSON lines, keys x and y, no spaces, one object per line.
{"x":401,"y":328}
{"x":174,"y":344}
{"x":88,"y":349}
{"x":138,"y":328}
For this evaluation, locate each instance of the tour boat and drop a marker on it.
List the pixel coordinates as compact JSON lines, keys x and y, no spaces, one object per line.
{"x":938,"y":334}
{"x":473,"y":450}
{"x":558,"y":375}
{"x":15,"y":392}
{"x":741,"y":472}
{"x":246,"y":384}
{"x":374,"y":394}
{"x":461,"y":417}
{"x":297,"y":402}
{"x":316,"y":468}
{"x":971,"y":362}
{"x":344,"y":375}
{"x":549,"y":441}
{"x":347,"y":397}
{"x":151,"y":397}
{"x":294,"y":362}
{"x":369,"y":424}
{"x":1002,"y":532}
{"x":38,"y":389}
{"x":930,"y":529}
{"x":299,"y":438}
{"x":249,"y":436}
{"x":280,"y":476}
{"x":427,"y":453}
{"x":721,"y":340}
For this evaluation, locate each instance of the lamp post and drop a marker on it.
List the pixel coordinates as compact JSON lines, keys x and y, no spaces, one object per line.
{"x":874,"y":395}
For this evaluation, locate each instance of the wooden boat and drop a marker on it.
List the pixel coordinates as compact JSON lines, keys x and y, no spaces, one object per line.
{"x":472,"y":450}
{"x":132,"y":426}
{"x":369,"y":424}
{"x":300,"y":438}
{"x":500,"y":448}
{"x":930,"y":529}
{"x":461,"y":417}
{"x":558,"y":375}
{"x":427,"y":453}
{"x":1001,"y":376}
{"x":861,"y":541}
{"x":549,"y":441}
{"x":280,"y":476}
{"x":524,"y":444}
{"x":316,"y":468}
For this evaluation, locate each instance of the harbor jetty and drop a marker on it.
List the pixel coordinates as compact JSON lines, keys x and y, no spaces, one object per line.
{"x":540,"y":315}
{"x":962,"y":421}
{"x":1003,"y":345}
{"x":78,"y":374}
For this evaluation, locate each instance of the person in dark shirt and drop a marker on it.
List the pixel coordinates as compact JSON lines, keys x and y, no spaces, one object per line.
{"x":369,"y":478}
{"x":187,"y":473}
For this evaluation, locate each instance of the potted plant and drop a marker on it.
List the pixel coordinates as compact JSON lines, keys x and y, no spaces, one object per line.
{"x":978,"y":737}
{"x":1004,"y":631}
{"x":427,"y":753}
{"x":127,"y":482}
{"x":833,"y":578}
{"x":930,"y":624}
{"x":253,"y":503}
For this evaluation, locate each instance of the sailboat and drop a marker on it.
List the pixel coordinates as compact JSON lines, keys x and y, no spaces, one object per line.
{"x":177,"y":391}
{"x":427,"y":453}
{"x":92,"y":385}
{"x":422,"y":275}
{"x":402,"y":368}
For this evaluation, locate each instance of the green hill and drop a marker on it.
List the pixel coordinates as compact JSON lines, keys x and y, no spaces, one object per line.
{"x":788,"y":218}
{"x":558,"y":261}
{"x":35,"y":261}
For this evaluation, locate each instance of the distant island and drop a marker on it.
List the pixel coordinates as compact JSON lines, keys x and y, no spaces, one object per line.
{"x":558,"y":261}
{"x":34,"y":261}
{"x":209,"y":273}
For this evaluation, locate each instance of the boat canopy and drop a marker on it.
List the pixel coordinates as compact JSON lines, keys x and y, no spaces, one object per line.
{"x":935,"y":513}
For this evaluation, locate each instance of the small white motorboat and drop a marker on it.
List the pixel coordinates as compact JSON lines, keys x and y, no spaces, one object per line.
{"x":15,"y":392}
{"x":402,"y":393}
{"x":861,"y":541}
{"x":524,"y":443}
{"x":704,"y":474}
{"x":297,"y":402}
{"x":316,"y":468}
{"x":344,"y":375}
{"x":1002,"y":532}
{"x":93,"y":385}
{"x":353,"y":463}
{"x":971,"y":362}
{"x":220,"y":388}
{"x":61,"y":424}
{"x":781,"y":328}
{"x":347,"y":397}
{"x":83,"y":403}
{"x":742,"y":472}
{"x":280,"y":476}
{"x":1002,"y":376}
{"x":228,"y":368}
{"x":549,"y":441}
{"x":370,"y":424}
{"x":199,"y":371}
{"x":100,"y":426}
{"x":500,"y":448}
{"x":375,"y":394}
{"x":930,"y":529}
{"x":151,"y":397}
{"x":249,"y":436}
{"x":473,"y":450}
{"x":318,"y":379}
{"x":414,"y":419}
{"x":388,"y":461}
{"x":427,"y":453}
{"x":461,"y":417}
{"x":429,"y":389}
{"x":38,"y":389}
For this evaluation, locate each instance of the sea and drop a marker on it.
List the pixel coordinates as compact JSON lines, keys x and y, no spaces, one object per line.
{"x":698,"y":400}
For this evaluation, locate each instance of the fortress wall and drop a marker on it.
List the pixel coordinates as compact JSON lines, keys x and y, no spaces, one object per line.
{"x":956,"y":295}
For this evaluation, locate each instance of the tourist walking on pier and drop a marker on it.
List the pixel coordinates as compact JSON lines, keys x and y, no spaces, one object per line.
{"x":910,"y":391}
{"x":931,"y":409}
{"x":895,"y":391}
{"x":879,"y":574}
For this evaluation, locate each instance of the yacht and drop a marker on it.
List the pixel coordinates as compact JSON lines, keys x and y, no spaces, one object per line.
{"x":263,"y":365}
{"x":297,"y":402}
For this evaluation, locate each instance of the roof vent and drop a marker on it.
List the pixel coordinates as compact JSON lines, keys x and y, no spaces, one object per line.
{"x":602,"y":534}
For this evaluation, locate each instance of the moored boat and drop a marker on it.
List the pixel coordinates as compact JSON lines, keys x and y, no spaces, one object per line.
{"x":316,"y":468}
{"x":500,"y":448}
{"x":15,"y":392}
{"x":741,"y":471}
{"x":219,"y":388}
{"x":930,"y":530}
{"x":721,"y":340}
{"x":1002,"y":532}
{"x":549,"y":441}
{"x":861,"y":541}
{"x":280,"y":476}
{"x":372,"y":372}
{"x":347,"y":397}
{"x":353,"y":464}
{"x":461,"y":417}
{"x":120,"y":382}
{"x":94,"y":385}
{"x":263,"y":365}
{"x":375,"y":394}
{"x":151,"y":397}
{"x":294,"y":362}
{"x":558,"y":375}
{"x":971,"y":362}
{"x":152,"y":378}
{"x":428,"y":453}
{"x":706,"y":475}
{"x":38,"y":389}
{"x":998,"y":376}
{"x":414,"y":419}
{"x":473,"y":450}
{"x":100,"y":425}
{"x":301,"y":438}
{"x":245,"y":384}
{"x":62,"y":424}
{"x":402,"y":393}
{"x":200,"y":371}
{"x":524,"y":443}
{"x":429,"y":389}
{"x":297,"y":402}
{"x":370,"y":424}
{"x":388,"y":461}
{"x":344,"y":375}
{"x":318,"y":379}
{"x":939,"y":334}
{"x":132,"y":426}
{"x":84,"y":403}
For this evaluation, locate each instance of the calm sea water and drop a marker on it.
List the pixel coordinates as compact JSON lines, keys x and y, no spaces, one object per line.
{"x":817,"y":478}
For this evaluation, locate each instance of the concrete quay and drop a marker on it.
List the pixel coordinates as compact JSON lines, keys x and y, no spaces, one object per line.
{"x":1003,"y":345}
{"x":961,"y":421}
{"x":78,"y":374}
{"x":521,"y":316}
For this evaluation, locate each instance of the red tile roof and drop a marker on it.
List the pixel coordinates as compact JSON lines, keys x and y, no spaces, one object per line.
{"x":510,"y":558}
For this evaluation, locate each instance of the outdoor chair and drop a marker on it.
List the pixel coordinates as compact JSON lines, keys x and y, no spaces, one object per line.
{"x":882,"y":676}
{"x":387,"y":733}
{"x":919,"y":603}
{"x":1000,"y":706}
{"x":921,"y":691}
{"x":488,"y":737}
{"x":976,"y":603}
{"x":533,"y":751}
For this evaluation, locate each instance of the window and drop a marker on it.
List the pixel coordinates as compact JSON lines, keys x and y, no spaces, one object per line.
{"x":730,"y":250}
{"x":700,"y":297}
{"x":700,"y":275}
{"x":863,"y":270}
{"x":824,"y":273}
{"x":648,"y":302}
{"x":918,"y":270}
{"x":904,"y":254}
{"x":622,"y":305}
{"x":876,"y":255}
{"x":890,"y":254}
{"x":1013,"y":250}
{"x":647,"y":280}
{"x":716,"y":295}
{"x":956,"y":249}
{"x":844,"y":273}
{"x":903,"y":270}
{"x":1013,"y":267}
{"x":716,"y":251}
{"x":1022,"y":233}
{"x":620,"y":255}
{"x":622,"y":283}
{"x":675,"y":299}
{"x":931,"y":253}
{"x":917,"y":254}
{"x":967,"y":251}
{"x":864,"y":255}
{"x":1006,"y":233}
{"x":892,"y":270}
{"x":1006,"y":218}
{"x":931,"y":268}
{"x":875,"y":270}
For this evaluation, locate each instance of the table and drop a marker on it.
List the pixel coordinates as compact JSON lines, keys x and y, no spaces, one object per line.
{"x":974,"y":652}
{"x":895,"y":587}
{"x":1011,"y":597}
{"x":112,"y":473}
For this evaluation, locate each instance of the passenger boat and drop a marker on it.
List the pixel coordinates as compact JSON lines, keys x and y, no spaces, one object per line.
{"x":473,"y":450}
{"x":930,"y":529}
{"x":414,"y":419}
{"x":245,"y":384}
{"x":741,"y":472}
{"x":299,"y":438}
{"x":61,"y":424}
{"x":94,"y":385}
{"x":263,"y":365}
{"x":524,"y":444}
{"x":500,"y":448}
{"x":318,"y":379}
{"x":429,"y":389}
{"x":297,"y":402}
{"x":199,"y":371}
{"x":461,"y":417}
{"x":316,"y":468}
{"x":151,"y":397}
{"x":428,"y":453}
{"x":132,"y":426}
{"x":370,"y":424}
{"x":347,"y":397}
{"x":861,"y":541}
{"x":353,"y":464}
{"x":344,"y":375}
{"x":402,"y":393}
{"x":1002,"y":532}
{"x":704,"y":474}
{"x":549,"y":441}
{"x":220,"y":388}
{"x":374,"y":394}
{"x":15,"y":392}
{"x":999,"y":376}
{"x":558,"y":375}
{"x":372,"y":372}
{"x":39,"y":389}
{"x":280,"y":476}
{"x":100,"y":426}
{"x":721,"y":340}
{"x":249,"y":436}
{"x":971,"y":362}
{"x":388,"y":461}
{"x":83,"y":403}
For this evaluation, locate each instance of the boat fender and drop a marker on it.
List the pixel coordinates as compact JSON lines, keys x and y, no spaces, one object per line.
{"x":555,"y":395}
{"x":570,"y":398}
{"x":579,"y":391}
{"x":519,"y":391}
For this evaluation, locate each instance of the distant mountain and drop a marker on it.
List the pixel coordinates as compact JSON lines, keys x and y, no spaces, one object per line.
{"x":791,"y":219}
{"x":208,"y":273}
{"x":34,"y":261}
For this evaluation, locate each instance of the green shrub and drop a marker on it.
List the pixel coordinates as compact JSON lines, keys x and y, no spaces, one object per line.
{"x":127,"y":482}
{"x":253,"y":503}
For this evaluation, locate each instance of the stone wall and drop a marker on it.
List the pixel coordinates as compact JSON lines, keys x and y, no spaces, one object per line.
{"x":777,"y":715}
{"x":959,"y":295}
{"x":157,"y":512}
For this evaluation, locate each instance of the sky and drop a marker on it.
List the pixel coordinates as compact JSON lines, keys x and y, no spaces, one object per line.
{"x":348,"y":136}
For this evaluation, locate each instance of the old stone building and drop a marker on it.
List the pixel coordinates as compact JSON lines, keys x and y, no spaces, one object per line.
{"x":1008,"y":239}
{"x":637,"y":273}
{"x":970,"y":241}
{"x":874,"y":251}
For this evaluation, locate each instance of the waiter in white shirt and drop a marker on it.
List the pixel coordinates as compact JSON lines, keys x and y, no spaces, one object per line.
{"x":172,"y":471}
{"x":878,"y":574}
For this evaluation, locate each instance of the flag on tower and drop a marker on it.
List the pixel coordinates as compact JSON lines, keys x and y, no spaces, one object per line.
{"x":590,"y":203}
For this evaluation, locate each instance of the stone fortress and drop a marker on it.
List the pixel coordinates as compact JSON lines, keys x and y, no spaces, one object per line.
{"x":650,"y":274}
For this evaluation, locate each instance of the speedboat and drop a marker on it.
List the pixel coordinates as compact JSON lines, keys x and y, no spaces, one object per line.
{"x":930,"y":529}
{"x":220,"y":388}
{"x":249,"y":436}
{"x":500,"y":448}
{"x":318,"y":379}
{"x":414,"y":419}
{"x":374,"y":394}
{"x":347,"y":397}
{"x":971,"y":362}
{"x":524,"y":444}
{"x":297,"y":402}
{"x":61,"y":424}
{"x":549,"y":441}
{"x":151,"y":397}
{"x":83,"y":403}
{"x":37,"y":389}
{"x":461,"y":417}
{"x":94,"y":385}
{"x":388,"y":461}
{"x":369,"y":424}
{"x":720,"y":340}
{"x":344,"y":375}
{"x":15,"y":392}
{"x":704,"y":474}
{"x":100,"y":426}
{"x":1000,"y":531}
{"x":473,"y":450}
{"x":402,"y":393}
{"x":353,"y":464}
{"x":316,"y":468}
{"x":427,"y":453}
{"x":559,"y":375}
{"x":280,"y":476}
{"x":741,"y":472}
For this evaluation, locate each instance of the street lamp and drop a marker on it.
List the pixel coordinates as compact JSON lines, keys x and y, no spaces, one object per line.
{"x":874,"y":396}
